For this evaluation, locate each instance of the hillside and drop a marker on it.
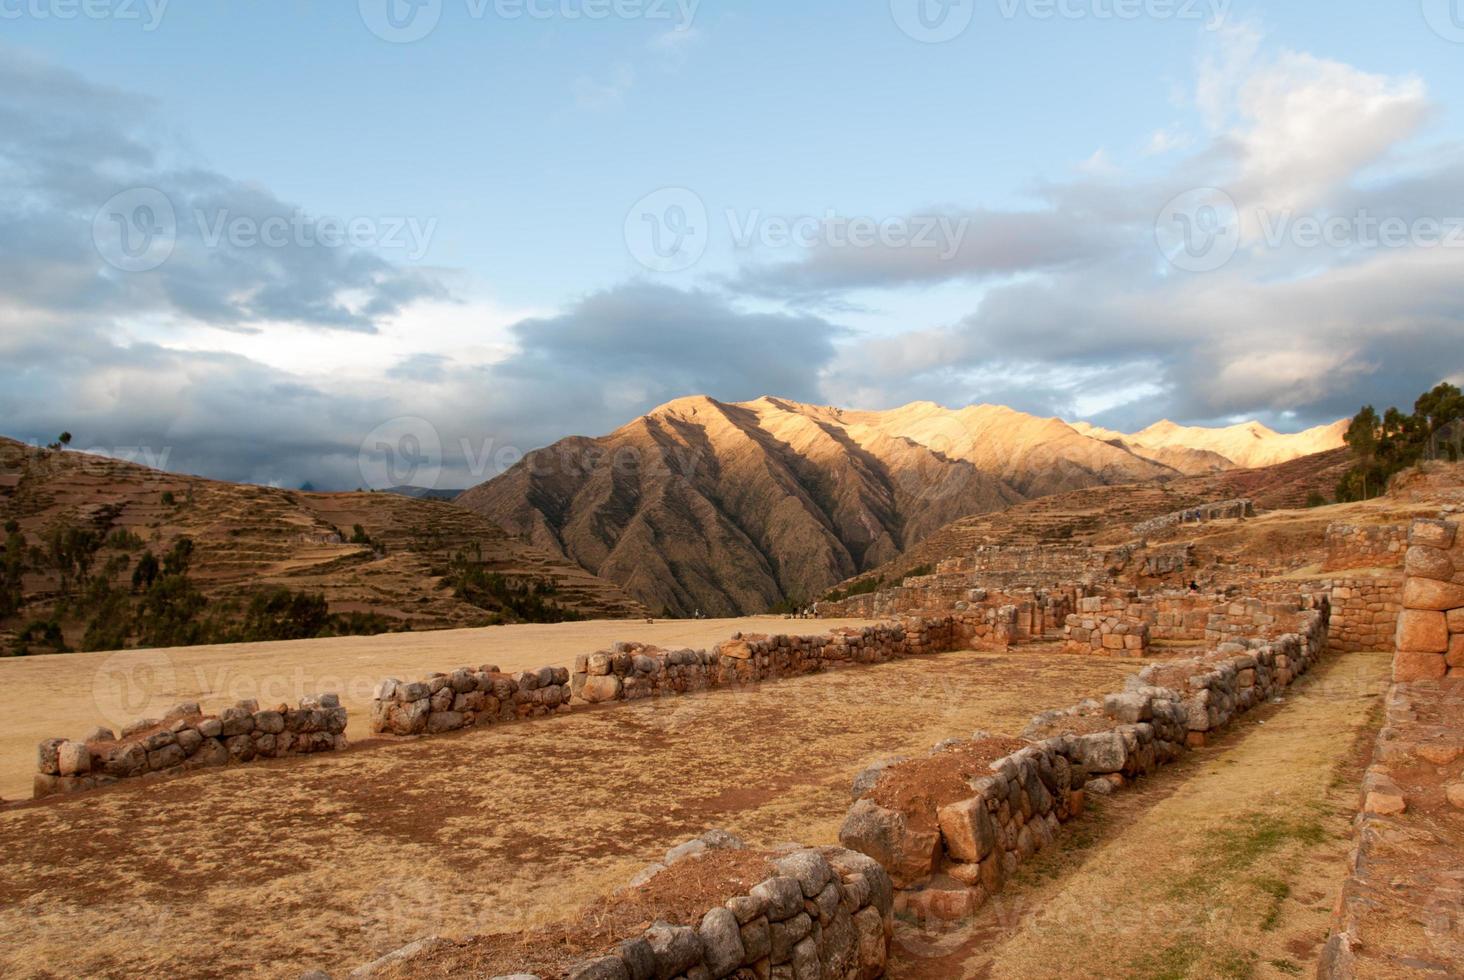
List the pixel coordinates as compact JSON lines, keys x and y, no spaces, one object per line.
{"x":248,"y":537}
{"x":1107,"y":515}
{"x":734,"y":508}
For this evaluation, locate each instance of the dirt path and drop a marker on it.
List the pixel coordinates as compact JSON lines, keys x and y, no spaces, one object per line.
{"x":329,"y":861}
{"x":1226,"y":865}
{"x":68,"y":695}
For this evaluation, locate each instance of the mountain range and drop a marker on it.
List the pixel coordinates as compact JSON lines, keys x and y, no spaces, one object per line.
{"x":735,"y":508}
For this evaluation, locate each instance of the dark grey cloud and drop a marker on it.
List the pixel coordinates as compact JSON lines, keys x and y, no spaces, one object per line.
{"x":68,"y":147}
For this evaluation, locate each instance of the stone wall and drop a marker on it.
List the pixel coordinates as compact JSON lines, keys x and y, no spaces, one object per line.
{"x":1365,"y":546}
{"x":186,"y":739}
{"x":1223,"y":510}
{"x":467,"y":697}
{"x":1365,"y":613}
{"x":1109,"y":626}
{"x":630,"y":671}
{"x":1430,"y":638}
{"x":948,"y":862}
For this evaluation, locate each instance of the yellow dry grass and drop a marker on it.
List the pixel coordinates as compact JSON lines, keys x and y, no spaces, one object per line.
{"x":1226,"y":865}
{"x":329,"y":861}
{"x":68,"y":695}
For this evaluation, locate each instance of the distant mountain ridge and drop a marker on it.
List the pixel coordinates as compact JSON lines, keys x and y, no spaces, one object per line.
{"x":732,"y":508}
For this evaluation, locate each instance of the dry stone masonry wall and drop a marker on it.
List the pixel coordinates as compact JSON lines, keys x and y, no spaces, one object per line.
{"x":1110,"y":626}
{"x":1365,"y":613}
{"x":1430,"y":638}
{"x":1203,"y":514}
{"x":1352,"y":546}
{"x":947,"y":856}
{"x":467,"y":697}
{"x":186,"y":739}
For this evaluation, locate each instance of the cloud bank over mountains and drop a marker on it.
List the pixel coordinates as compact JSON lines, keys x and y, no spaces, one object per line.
{"x":272,"y":362}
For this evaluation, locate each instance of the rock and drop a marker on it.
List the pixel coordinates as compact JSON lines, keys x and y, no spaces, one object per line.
{"x":189,"y":740}
{"x":757,"y":939}
{"x":1408,"y":667}
{"x":782,"y":897}
{"x":1421,"y":631}
{"x":864,"y":783}
{"x":907,"y":853}
{"x":745,"y":908}
{"x":805,"y":961}
{"x":1433,"y":595}
{"x":808,"y":868}
{"x":1439,"y":755}
{"x":966,"y":828}
{"x":1455,"y":658}
{"x":187,"y":709}
{"x":786,"y":935}
{"x":720,"y":840}
{"x":1103,"y":752}
{"x":269,"y":722}
{"x":1385,"y":804}
{"x":1433,"y":534}
{"x":73,"y":759}
{"x":407,"y":952}
{"x":677,"y":948}
{"x":601,"y":688}
{"x":100,"y":735}
{"x":48,"y":759}
{"x":683,"y":851}
{"x":639,"y":959}
{"x":445,"y":721}
{"x":1455,"y":620}
{"x":1455,"y":795}
{"x":604,"y":968}
{"x":1425,"y":562}
{"x":873,"y":951}
{"x":210,"y":728}
{"x":646,"y":874}
{"x":721,"y":939}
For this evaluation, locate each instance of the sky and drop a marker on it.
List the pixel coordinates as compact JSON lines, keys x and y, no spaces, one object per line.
{"x":285,"y":242}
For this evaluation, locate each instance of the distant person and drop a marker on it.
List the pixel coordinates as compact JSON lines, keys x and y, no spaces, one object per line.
{"x":1194,"y":587}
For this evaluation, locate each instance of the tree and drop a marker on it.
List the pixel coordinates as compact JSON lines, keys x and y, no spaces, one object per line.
{"x":146,"y":572}
{"x":177,"y":560}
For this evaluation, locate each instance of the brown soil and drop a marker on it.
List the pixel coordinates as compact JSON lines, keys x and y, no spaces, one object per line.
{"x":1074,"y":725}
{"x":920,"y":787}
{"x":680,"y":895}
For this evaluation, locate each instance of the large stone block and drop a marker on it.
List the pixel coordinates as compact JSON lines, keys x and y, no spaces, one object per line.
{"x":906,"y":852}
{"x":967,"y":830}
{"x":1456,"y":620}
{"x":1421,"y":631}
{"x":1433,"y":534}
{"x":1410,"y":666}
{"x":1456,"y":651}
{"x":1432,"y":595}
{"x":1424,"y":562}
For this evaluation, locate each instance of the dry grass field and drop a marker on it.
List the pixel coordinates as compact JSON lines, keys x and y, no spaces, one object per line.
{"x":328,"y":861}
{"x":68,"y":695}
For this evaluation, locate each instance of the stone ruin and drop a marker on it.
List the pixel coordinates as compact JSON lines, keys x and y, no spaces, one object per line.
{"x":186,"y":739}
{"x":467,"y":697}
{"x":1225,"y":510}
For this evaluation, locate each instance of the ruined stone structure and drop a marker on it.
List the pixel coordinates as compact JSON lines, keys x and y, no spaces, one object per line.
{"x":1203,"y":514}
{"x":949,"y":856}
{"x":1365,"y":613}
{"x":1108,"y":625}
{"x":1352,"y":546}
{"x":187,"y":739}
{"x":1430,"y":642}
{"x":467,"y":697}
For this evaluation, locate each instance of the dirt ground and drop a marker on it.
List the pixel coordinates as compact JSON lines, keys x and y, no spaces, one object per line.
{"x":68,"y":695}
{"x":328,"y":861}
{"x":1225,"y":865}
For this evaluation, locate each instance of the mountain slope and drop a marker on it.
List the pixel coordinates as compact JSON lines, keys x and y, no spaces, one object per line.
{"x":245,"y":537}
{"x":733,"y":508}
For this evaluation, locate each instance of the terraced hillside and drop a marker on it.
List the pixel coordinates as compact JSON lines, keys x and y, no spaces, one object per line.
{"x":1107,"y":515}
{"x":247,"y":537}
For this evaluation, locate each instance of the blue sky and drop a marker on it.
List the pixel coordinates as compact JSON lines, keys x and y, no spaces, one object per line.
{"x":496,"y":164}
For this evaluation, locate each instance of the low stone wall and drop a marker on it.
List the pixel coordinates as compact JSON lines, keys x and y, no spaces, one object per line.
{"x":630,"y":671}
{"x":1223,"y":510}
{"x":1430,"y":639}
{"x":1365,"y":613}
{"x":1110,"y":626}
{"x":1365,"y":546}
{"x":948,"y":856}
{"x":467,"y":697}
{"x":187,"y":739}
